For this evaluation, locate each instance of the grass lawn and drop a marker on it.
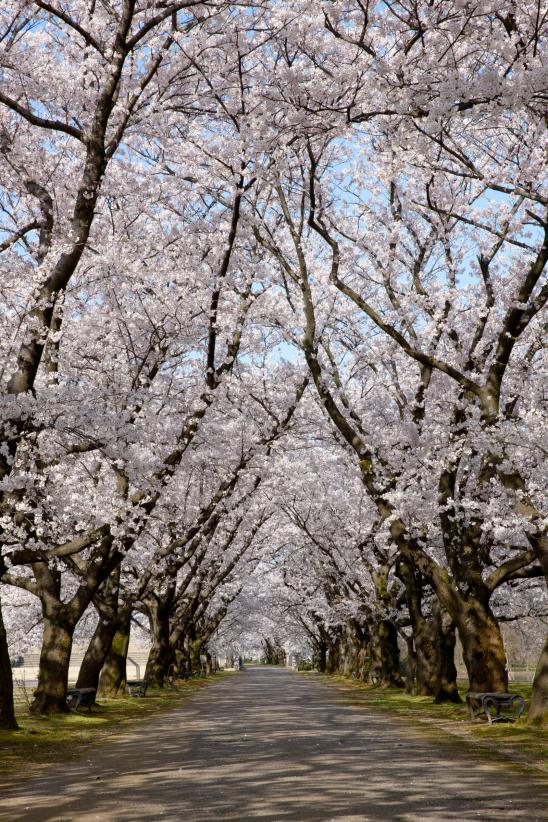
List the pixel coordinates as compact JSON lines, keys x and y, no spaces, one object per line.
{"x":44,"y":739}
{"x":519,"y":742}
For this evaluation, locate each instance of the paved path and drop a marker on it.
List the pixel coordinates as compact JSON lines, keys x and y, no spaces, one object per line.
{"x":269,"y":744}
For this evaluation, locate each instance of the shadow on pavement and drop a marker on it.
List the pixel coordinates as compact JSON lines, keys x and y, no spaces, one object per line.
{"x":270,"y":744}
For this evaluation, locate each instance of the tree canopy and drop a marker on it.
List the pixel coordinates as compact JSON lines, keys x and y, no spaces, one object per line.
{"x":271,"y":332}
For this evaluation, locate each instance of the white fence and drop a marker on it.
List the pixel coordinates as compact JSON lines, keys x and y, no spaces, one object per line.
{"x":25,"y":676}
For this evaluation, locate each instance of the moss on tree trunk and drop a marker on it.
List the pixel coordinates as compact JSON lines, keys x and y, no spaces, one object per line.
{"x":385,"y":655}
{"x":159,"y":663}
{"x":113,"y":679}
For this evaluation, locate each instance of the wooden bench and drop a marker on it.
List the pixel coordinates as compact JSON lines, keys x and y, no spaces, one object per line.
{"x":490,"y":704}
{"x":80,"y":698}
{"x":137,"y":687}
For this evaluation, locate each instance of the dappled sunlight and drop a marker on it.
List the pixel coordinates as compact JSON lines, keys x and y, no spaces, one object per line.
{"x":270,"y":744}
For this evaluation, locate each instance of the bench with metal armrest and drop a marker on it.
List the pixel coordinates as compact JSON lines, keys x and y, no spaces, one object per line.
{"x":490,"y":705}
{"x":80,"y":698}
{"x":137,"y":687}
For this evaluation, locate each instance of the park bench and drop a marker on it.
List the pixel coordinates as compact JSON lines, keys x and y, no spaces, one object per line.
{"x":490,"y":704}
{"x":172,"y":676}
{"x":137,"y":687}
{"x":186,"y":675}
{"x":80,"y":698}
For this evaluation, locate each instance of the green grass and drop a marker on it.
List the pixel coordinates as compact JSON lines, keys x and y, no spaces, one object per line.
{"x":44,"y":739}
{"x":519,"y":742}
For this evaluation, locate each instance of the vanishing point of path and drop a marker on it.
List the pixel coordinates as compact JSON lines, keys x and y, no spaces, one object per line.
{"x":270,"y":744}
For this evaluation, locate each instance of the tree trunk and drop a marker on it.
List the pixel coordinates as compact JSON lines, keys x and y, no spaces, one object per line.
{"x":182,"y":665}
{"x":333,"y":656}
{"x":482,"y":647}
{"x":346,"y":653}
{"x":274,"y":653}
{"x":349,"y":650}
{"x":59,"y":620}
{"x":363,"y":660}
{"x":195,"y":649}
{"x":106,"y":603}
{"x":479,"y":632}
{"x":7,"y":710}
{"x":433,"y":640}
{"x":427,"y":657}
{"x":385,"y":655}
{"x":447,"y":690}
{"x":435,"y":648}
{"x":423,"y":656}
{"x":96,"y":654}
{"x":411,"y":673}
{"x":191,"y":649}
{"x":50,"y":697}
{"x":160,"y":658}
{"x":538,"y":710}
{"x":320,"y":657}
{"x":113,"y":676}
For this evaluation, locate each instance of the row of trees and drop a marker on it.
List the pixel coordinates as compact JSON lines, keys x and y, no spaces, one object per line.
{"x":272,"y":280}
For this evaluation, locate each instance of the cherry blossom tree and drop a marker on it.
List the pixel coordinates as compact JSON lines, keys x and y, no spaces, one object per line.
{"x":200,"y":198}
{"x":409,"y":293}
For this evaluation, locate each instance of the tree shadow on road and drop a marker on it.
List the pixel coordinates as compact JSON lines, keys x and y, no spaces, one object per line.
{"x":275,"y":746}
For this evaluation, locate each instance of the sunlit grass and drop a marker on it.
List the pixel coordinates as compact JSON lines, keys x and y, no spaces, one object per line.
{"x":520,"y":742}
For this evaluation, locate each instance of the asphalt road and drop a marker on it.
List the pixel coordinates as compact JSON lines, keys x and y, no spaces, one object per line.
{"x":273,"y":745}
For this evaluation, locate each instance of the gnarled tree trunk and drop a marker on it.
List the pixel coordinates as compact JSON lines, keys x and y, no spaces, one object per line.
{"x":435,"y":650}
{"x":60,"y":619}
{"x":352,"y":642}
{"x":385,"y":655}
{"x":433,"y":641}
{"x":482,"y":647}
{"x":50,"y":697}
{"x":160,"y":660}
{"x":479,"y":631}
